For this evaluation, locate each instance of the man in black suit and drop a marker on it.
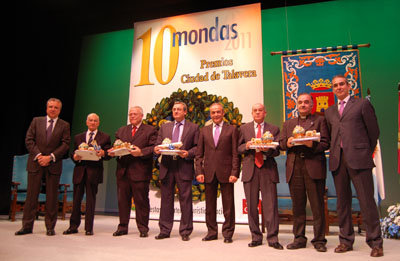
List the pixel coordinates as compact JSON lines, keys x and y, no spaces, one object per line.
{"x":47,"y":141}
{"x":354,"y":133}
{"x":88,"y":174}
{"x":306,"y":173}
{"x":177,"y":170}
{"x":134,"y":172}
{"x":260,"y":174}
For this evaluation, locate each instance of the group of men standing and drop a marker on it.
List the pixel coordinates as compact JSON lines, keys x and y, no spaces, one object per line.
{"x":213,"y":155}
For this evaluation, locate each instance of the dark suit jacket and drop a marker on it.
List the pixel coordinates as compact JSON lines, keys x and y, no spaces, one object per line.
{"x":189,"y":138}
{"x":36,"y":143}
{"x":222,"y":160}
{"x":357,"y":129}
{"x":246,"y":134}
{"x":94,"y":169}
{"x":137,"y":168}
{"x":315,"y":160}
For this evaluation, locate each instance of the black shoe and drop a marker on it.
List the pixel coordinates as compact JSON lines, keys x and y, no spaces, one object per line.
{"x":89,"y":233}
{"x":295,"y":245}
{"x":255,"y":243}
{"x":185,"y":238}
{"x":70,"y":231}
{"x":120,"y":233}
{"x":276,"y":245}
{"x":143,"y":234}
{"x":320,"y":247}
{"x":50,"y":232}
{"x":161,"y":236}
{"x":228,"y":240}
{"x":23,"y":231}
{"x":209,"y":238}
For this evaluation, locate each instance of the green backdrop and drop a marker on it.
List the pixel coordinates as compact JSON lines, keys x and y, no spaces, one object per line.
{"x":104,"y":74}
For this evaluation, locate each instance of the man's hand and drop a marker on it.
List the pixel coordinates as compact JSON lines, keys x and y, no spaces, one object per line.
{"x":232,"y":179}
{"x":100,"y":153}
{"x":183,"y":153}
{"x":44,"y":160}
{"x":157,"y":149}
{"x":200,"y":178}
{"x":289,"y":142}
{"x":110,"y":152}
{"x":248,"y":144}
{"x":77,"y":157}
{"x":136,"y":151}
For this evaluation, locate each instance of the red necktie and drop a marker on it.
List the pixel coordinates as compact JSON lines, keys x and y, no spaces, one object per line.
{"x":134,"y":130}
{"x":258,"y":159}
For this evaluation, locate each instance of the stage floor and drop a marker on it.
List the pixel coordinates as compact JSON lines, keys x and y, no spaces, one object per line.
{"x":103,"y":246}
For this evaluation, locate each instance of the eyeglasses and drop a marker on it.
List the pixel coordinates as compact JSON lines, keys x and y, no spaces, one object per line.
{"x":339,"y":84}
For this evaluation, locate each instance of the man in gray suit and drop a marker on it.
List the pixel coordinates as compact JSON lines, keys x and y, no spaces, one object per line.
{"x":260,"y":173}
{"x":354,"y":132}
{"x":177,"y":170}
{"x":47,"y":141}
{"x":306,"y":173}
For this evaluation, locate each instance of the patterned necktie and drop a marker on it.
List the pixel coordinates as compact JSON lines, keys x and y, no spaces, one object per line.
{"x":90,"y":137}
{"x":49,"y":130}
{"x":341,"y":107}
{"x":175,"y":134}
{"x":216,"y":134}
{"x":134,"y":128}
{"x":258,"y":158}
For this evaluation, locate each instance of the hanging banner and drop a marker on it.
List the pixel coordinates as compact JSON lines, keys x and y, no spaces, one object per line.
{"x":198,"y":58}
{"x":312,"y":73}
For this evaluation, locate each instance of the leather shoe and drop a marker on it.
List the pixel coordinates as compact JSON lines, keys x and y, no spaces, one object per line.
{"x":228,"y":240}
{"x":120,"y":233}
{"x":161,"y":236}
{"x":209,"y":238}
{"x":50,"y":232}
{"x":185,"y":238}
{"x":341,"y":248}
{"x":143,"y":234}
{"x":89,"y":233}
{"x":377,"y":252}
{"x":70,"y":231}
{"x":255,"y":243}
{"x":320,"y":247}
{"x":23,"y":231}
{"x":295,"y":245}
{"x":276,"y":245}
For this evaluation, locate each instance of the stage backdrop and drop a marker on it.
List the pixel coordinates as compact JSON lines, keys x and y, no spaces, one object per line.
{"x":198,"y":58}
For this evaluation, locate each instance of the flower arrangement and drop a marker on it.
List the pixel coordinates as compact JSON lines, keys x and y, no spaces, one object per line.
{"x":390,"y":225}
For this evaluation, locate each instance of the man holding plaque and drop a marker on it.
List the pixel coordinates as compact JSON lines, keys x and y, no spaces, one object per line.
{"x":217,"y":163}
{"x":88,"y":172}
{"x":306,"y":170}
{"x":260,"y":173}
{"x":134,"y":172}
{"x":177,"y":170}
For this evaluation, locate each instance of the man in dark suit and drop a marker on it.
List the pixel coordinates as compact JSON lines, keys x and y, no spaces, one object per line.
{"x":354,"y":133}
{"x":88,"y":174}
{"x":217,"y":162}
{"x":260,"y":173}
{"x":134,"y":172}
{"x":306,"y":173}
{"x":177,"y":170}
{"x":47,"y":141}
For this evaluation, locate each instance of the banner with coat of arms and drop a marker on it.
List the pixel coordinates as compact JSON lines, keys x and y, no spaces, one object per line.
{"x":312,"y":73}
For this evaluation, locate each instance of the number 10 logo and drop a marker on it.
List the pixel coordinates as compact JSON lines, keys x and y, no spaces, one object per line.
{"x":157,"y":59}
